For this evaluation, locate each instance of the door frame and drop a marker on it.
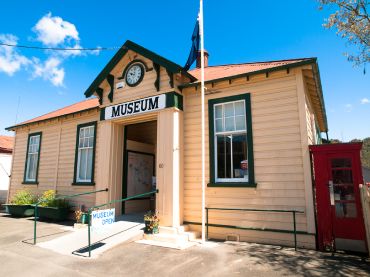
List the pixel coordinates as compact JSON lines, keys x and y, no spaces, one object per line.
{"x":125,"y":167}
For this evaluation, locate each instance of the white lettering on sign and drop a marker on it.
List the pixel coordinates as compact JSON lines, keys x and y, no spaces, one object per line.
{"x":139,"y":106}
{"x":102,"y":218}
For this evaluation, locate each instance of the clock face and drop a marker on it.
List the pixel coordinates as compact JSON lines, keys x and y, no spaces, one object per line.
{"x":134,"y":74}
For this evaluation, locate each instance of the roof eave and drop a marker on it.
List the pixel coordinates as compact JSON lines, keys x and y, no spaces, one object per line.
{"x":12,"y":128}
{"x":277,"y":68}
{"x":316,"y":73}
{"x":129,"y":45}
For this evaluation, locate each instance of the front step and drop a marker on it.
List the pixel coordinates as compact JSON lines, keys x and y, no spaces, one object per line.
{"x":171,"y":237}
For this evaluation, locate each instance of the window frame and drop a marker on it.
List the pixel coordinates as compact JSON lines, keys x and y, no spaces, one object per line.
{"x":92,"y":181}
{"x":212,"y":159}
{"x":32,"y":182}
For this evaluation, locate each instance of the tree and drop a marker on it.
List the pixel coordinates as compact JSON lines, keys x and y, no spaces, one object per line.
{"x":352,"y":22}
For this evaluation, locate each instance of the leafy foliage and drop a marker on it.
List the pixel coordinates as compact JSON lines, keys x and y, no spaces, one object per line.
{"x":365,"y":153}
{"x":352,"y":22}
{"x":48,"y":199}
{"x":23,"y":197}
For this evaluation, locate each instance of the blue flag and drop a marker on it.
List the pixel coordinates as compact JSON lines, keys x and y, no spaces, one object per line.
{"x":195,"y":38}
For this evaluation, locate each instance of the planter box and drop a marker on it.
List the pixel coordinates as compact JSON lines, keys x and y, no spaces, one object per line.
{"x":57,"y":214}
{"x":19,"y":210}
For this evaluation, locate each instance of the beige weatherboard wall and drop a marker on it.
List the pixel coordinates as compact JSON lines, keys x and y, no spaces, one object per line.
{"x":281,"y":161}
{"x":287,"y":115}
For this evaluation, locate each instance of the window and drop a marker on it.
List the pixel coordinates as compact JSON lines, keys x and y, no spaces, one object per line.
{"x":231,"y":146}
{"x":85,"y":154}
{"x":32,"y":158}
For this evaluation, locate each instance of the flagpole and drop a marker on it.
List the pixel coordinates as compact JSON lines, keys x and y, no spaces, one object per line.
{"x":202,"y":100}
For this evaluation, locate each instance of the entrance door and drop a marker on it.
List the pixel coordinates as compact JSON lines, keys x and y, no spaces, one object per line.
{"x":140,"y":174}
{"x":337,"y":174}
{"x":345,"y":203}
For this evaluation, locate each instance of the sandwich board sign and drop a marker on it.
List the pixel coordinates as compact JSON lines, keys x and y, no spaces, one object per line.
{"x":102,"y":218}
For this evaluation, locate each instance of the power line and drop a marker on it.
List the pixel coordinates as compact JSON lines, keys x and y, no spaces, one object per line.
{"x":58,"y":48}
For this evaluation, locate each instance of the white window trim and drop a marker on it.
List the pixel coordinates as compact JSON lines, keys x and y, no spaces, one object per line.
{"x":236,"y":132}
{"x":78,"y":180}
{"x":27,"y":178}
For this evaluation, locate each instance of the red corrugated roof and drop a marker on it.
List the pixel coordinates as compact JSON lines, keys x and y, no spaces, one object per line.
{"x":222,"y":71}
{"x":6,"y":144}
{"x":80,"y":106}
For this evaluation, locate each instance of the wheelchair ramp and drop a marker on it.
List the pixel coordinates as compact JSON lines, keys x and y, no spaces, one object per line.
{"x":127,"y":228}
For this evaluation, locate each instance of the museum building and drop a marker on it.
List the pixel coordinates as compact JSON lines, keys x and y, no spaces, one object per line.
{"x":140,"y":129}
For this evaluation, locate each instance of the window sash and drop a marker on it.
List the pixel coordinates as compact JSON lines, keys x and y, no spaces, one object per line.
{"x":85,"y":153}
{"x":221,"y":114}
{"x":32,"y":158}
{"x":231,"y":161}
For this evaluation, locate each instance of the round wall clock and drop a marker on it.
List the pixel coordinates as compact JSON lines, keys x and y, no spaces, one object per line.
{"x":134,"y":74}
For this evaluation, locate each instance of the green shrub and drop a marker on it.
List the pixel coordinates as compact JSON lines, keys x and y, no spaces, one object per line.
{"x":23,"y":197}
{"x":48,"y":199}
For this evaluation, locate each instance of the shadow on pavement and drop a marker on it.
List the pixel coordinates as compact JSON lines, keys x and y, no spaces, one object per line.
{"x":305,"y":262}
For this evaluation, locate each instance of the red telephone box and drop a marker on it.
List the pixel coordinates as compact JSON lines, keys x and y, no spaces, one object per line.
{"x":337,"y":175}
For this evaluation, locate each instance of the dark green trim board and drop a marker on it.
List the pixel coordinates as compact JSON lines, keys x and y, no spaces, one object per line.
{"x":157,"y":81}
{"x":91,"y":183}
{"x":170,"y":75}
{"x":174,"y":99}
{"x":129,"y":45}
{"x":251,"y":180}
{"x":102,"y":113}
{"x":110,"y":80}
{"x":25,"y":182}
{"x":99,"y":92}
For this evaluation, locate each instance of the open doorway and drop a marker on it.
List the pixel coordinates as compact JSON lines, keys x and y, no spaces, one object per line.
{"x":139,"y":174}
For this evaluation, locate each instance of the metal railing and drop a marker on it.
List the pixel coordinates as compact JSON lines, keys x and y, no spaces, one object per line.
{"x":61,"y":197}
{"x":294,"y":212}
{"x":138,"y":196}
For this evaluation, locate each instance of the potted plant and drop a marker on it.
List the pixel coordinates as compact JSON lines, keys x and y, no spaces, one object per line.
{"x":51,"y":207}
{"x":21,"y":204}
{"x":81,"y":217}
{"x":151,"y":223}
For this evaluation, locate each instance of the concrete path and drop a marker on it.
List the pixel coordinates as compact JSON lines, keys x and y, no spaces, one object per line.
{"x":215,"y":259}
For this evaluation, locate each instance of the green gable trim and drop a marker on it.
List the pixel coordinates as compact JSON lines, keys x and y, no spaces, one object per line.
{"x":129,"y":45}
{"x":110,"y":80}
{"x":91,"y":183}
{"x":251,"y":179}
{"x":25,"y":182}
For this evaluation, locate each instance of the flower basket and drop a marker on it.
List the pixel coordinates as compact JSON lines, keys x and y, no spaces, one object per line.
{"x":151,"y":221}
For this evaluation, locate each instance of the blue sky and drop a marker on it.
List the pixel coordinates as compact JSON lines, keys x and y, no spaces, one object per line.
{"x":241,"y":31}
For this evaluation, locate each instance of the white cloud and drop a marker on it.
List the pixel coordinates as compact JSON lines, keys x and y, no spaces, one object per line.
{"x":365,"y":101}
{"x":50,"y":70}
{"x":53,"y":30}
{"x":10,"y":60}
{"x":348,"y":107}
